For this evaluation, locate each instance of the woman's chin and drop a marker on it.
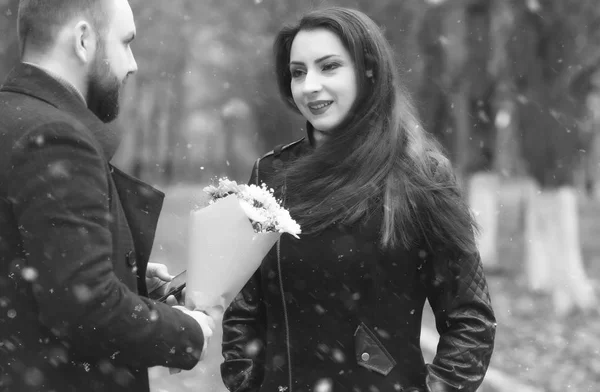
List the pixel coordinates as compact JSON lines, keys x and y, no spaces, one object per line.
{"x":323,"y":125}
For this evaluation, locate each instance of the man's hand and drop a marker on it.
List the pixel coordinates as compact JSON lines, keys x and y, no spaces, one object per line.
{"x":215,"y":312}
{"x":156,"y":275}
{"x":206,"y":323}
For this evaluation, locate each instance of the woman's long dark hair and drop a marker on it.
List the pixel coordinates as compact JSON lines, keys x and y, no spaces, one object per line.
{"x":379,"y":160}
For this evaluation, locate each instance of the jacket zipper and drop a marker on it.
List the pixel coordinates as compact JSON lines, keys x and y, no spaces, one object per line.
{"x":285,"y":316}
{"x":285,"y":313}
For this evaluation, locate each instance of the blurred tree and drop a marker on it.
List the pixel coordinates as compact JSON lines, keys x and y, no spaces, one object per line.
{"x":9,"y":44}
{"x":195,"y":59}
{"x":550,"y":45}
{"x":494,"y":102}
{"x":155,"y":104}
{"x":401,"y":22}
{"x":456,"y":85}
{"x":506,"y":157}
{"x":591,"y":127}
{"x":456,"y":94}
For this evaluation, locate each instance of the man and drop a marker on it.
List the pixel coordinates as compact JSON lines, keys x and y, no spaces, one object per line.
{"x":75,"y":232}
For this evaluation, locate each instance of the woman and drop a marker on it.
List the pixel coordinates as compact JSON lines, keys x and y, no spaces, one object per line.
{"x":384,"y":229}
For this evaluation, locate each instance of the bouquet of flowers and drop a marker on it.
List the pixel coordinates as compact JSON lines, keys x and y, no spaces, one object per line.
{"x":228,"y":240}
{"x":260,"y":205}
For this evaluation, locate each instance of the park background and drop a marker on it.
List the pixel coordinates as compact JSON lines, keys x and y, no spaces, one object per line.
{"x":510,"y":87}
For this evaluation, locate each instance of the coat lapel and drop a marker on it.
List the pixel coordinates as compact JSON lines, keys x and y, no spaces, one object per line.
{"x":142,"y":205}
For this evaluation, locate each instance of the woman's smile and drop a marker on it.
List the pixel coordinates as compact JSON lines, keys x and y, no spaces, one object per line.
{"x":319,"y":107}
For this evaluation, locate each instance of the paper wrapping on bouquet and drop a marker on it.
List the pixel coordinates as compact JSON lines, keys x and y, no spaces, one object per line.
{"x":224,"y":253}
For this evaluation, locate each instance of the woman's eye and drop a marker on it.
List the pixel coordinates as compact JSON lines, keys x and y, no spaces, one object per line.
{"x":330,"y":66}
{"x":296,"y":73}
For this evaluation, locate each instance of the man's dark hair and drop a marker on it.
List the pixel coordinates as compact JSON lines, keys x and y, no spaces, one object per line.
{"x":40,"y":20}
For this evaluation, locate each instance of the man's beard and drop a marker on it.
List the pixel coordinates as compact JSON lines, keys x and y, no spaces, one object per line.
{"x":103,"y":90}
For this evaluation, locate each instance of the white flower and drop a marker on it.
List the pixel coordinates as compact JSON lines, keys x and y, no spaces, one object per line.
{"x":253,"y":213}
{"x":260,"y":205}
{"x":225,"y":188}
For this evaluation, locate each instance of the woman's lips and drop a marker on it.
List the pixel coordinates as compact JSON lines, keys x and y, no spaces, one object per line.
{"x":319,"y":107}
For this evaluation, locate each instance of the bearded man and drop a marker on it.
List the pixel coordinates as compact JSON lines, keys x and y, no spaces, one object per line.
{"x":75,"y":232}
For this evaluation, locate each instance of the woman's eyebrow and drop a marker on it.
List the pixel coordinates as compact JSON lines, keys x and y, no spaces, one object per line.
{"x":320,"y":59}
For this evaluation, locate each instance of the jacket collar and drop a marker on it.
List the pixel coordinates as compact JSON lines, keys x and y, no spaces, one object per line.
{"x":310,"y":130}
{"x":30,"y":80}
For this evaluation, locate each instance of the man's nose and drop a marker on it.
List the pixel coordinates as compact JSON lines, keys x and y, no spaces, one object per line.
{"x":134,"y":67}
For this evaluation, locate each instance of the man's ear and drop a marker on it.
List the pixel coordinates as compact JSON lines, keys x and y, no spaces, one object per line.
{"x":84,"y":42}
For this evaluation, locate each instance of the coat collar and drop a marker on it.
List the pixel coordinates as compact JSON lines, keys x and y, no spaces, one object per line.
{"x":33,"y":81}
{"x":62,"y":81}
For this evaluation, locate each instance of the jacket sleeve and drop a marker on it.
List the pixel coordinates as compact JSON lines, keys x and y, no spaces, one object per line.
{"x":244,"y":333}
{"x":59,"y":190}
{"x":459,"y":297}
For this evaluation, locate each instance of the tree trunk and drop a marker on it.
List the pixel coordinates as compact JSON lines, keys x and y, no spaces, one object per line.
{"x":125,"y":155}
{"x":591,"y":158}
{"x":553,"y":252}
{"x":483,"y":199}
{"x":593,"y":164}
{"x":462,"y":131}
{"x":177,"y":151}
{"x":9,"y":44}
{"x":507,"y":161}
{"x":456,"y":60}
{"x":143,"y":124}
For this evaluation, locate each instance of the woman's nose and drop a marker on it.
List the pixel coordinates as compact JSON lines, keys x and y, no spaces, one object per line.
{"x":312,"y":83}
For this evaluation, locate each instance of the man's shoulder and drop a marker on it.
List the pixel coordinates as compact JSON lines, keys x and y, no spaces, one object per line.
{"x":21,"y":111}
{"x":29,"y":119}
{"x":26,"y":121}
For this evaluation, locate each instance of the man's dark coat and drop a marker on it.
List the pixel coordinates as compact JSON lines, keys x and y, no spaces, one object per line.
{"x":75,"y":236}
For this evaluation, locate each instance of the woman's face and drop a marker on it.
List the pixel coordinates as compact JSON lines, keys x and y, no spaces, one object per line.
{"x":323,"y":84}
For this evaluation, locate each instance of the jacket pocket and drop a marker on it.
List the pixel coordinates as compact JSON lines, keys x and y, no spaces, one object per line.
{"x":370,"y":352}
{"x":241,"y":375}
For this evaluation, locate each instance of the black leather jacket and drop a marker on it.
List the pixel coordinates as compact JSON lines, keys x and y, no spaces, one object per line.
{"x":334,"y":310}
